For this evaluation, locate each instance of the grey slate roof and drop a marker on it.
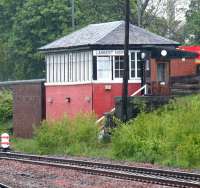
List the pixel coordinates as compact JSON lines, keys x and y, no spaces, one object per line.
{"x":110,"y":33}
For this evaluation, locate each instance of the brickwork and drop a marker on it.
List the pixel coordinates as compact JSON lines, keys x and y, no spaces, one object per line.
{"x":28,"y":107}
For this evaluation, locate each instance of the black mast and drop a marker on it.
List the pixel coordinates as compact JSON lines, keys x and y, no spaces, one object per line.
{"x":126,"y":64}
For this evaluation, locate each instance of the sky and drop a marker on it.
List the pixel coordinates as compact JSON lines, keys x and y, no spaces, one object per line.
{"x":181,"y":8}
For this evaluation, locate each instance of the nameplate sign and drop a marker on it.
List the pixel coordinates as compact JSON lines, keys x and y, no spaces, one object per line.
{"x":108,"y":52}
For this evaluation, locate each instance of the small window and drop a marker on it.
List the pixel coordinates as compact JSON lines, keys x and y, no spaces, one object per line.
{"x":118,"y":67}
{"x":161,"y":72}
{"x":135,"y":65}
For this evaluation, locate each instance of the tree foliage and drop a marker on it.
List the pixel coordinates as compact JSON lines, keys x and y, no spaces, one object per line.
{"x":6,"y":106}
{"x":193,"y":22}
{"x":27,"y":25}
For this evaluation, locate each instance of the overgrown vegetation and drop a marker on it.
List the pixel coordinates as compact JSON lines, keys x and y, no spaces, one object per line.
{"x":170,"y":136}
{"x":6,"y":109}
{"x":74,"y":136}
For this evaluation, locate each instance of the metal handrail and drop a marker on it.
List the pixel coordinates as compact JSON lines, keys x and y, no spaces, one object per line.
{"x":144,"y":87}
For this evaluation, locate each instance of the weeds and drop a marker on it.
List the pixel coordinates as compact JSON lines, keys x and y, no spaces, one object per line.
{"x":67,"y":136}
{"x":169,"y":135}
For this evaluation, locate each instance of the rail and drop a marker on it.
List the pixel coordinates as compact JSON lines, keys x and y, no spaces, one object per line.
{"x":144,"y":87}
{"x":148,"y":175}
{"x":4,"y":186}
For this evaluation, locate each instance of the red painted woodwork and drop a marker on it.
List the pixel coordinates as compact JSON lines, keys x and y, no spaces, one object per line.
{"x":103,"y":100}
{"x":182,"y":68}
{"x":83,"y":98}
{"x":68,"y":100}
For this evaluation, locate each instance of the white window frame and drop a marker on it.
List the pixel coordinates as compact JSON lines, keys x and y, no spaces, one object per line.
{"x":114,"y":77}
{"x":110,"y":74}
{"x":135,"y":61}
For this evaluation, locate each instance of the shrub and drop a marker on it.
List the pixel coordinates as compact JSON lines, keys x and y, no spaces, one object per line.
{"x":6,"y":104}
{"x":67,"y":136}
{"x":169,"y":135}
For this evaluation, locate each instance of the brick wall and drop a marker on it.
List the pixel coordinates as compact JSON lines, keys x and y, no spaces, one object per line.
{"x":28,"y":107}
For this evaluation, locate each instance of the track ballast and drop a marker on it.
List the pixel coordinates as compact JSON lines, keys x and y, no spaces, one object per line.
{"x":148,"y":175}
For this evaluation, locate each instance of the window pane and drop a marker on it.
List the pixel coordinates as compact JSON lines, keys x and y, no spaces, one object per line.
{"x":119,"y":66}
{"x":121,"y":73}
{"x":133,"y":56}
{"x":139,"y":56}
{"x":132,"y":64}
{"x":132,"y":73}
{"x":116,"y":74}
{"x":104,"y":68}
{"x":116,"y":64}
{"x":122,"y":63}
{"x":139,"y":69}
{"x":161,"y":72}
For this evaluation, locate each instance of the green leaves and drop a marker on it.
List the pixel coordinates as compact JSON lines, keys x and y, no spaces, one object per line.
{"x":169,"y":135}
{"x":6,"y":106}
{"x":71,"y":136}
{"x":193,"y":22}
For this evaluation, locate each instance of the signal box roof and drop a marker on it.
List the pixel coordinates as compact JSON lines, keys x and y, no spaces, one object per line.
{"x":104,"y":34}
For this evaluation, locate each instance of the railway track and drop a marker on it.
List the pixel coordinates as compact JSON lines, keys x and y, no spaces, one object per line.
{"x":4,"y":186}
{"x":149,"y":175}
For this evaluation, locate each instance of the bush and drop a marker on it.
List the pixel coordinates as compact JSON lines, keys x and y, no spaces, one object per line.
{"x":67,"y":136}
{"x":169,"y":135}
{"x":6,"y":105}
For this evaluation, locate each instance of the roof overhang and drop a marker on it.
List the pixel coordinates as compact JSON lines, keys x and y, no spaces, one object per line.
{"x":105,"y":47}
{"x":171,"y":52}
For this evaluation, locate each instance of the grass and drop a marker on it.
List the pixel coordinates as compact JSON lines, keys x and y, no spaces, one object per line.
{"x":24,"y":145}
{"x":169,"y":136}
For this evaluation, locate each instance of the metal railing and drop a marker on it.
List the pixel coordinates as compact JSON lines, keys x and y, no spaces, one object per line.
{"x":144,"y":87}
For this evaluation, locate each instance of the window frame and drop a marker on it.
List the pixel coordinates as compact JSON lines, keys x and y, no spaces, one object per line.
{"x":114,"y":69}
{"x":136,"y":53}
{"x":110,"y":73}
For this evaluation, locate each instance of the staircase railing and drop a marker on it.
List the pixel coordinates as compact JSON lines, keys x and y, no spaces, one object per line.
{"x":144,"y":87}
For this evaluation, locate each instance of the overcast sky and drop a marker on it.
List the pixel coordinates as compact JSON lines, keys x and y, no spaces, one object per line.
{"x":181,"y":8}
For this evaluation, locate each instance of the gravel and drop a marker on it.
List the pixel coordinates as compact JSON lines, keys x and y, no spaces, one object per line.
{"x":21,"y":175}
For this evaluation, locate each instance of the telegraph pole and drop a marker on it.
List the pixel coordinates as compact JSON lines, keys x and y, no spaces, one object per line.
{"x":126,"y":63}
{"x":73,"y":14}
{"x":139,"y":12}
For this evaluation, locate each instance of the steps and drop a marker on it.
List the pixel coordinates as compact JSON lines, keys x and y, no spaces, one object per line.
{"x":186,"y":86}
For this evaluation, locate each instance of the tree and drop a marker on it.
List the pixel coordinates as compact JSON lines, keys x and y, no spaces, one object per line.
{"x":35,"y":24}
{"x":8,"y":9}
{"x":193,"y":22}
{"x":96,"y":11}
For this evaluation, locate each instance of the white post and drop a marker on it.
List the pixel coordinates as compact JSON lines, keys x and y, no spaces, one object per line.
{"x":5,"y":144}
